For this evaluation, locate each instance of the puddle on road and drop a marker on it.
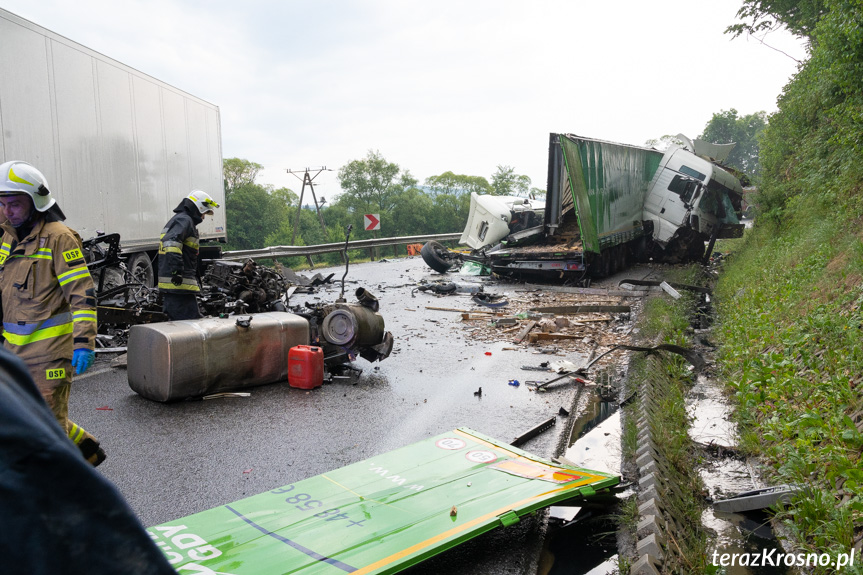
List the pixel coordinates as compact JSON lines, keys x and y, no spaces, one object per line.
{"x":736,"y":533}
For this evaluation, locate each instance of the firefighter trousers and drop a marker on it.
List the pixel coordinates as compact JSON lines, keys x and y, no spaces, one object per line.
{"x":54,"y":380}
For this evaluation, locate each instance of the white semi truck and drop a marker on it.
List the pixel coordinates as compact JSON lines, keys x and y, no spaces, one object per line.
{"x":605,"y":203}
{"x":119,"y":148}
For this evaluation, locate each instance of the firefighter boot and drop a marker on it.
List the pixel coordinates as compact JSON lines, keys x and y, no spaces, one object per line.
{"x":91,"y":451}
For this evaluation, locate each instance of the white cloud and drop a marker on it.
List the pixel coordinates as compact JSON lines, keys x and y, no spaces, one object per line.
{"x":448,"y":85}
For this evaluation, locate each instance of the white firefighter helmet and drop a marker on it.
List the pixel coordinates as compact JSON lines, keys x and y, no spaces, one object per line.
{"x":21,"y":178}
{"x":204,"y":202}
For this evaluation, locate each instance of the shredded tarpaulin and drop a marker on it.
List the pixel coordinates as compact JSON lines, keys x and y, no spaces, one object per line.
{"x":474,"y":269}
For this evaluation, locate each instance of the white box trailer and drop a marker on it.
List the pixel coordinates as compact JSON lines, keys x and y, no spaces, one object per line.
{"x":119,"y":148}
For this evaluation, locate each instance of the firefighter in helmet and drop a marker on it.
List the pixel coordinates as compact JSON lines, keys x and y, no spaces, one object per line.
{"x":178,"y":256}
{"x":48,"y":297}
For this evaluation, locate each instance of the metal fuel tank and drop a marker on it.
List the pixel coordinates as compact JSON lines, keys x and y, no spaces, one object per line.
{"x":176,"y":360}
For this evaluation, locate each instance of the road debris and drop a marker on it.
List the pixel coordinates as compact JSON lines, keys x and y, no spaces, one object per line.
{"x":670,"y":290}
{"x":758,"y":499}
{"x":533,"y":432}
{"x":436,"y":512}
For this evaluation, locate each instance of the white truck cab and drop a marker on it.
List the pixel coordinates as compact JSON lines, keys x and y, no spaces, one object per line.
{"x":492,"y":218}
{"x":689,"y":194}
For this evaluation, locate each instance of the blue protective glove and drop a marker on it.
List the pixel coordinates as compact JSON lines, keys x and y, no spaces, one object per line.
{"x":82,"y":359}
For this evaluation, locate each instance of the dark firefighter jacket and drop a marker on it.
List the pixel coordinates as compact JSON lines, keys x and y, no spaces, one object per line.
{"x":178,"y":249}
{"x":49,"y":301}
{"x":60,"y":515}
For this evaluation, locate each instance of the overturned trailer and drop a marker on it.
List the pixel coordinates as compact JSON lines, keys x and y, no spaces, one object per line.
{"x":606,"y":204}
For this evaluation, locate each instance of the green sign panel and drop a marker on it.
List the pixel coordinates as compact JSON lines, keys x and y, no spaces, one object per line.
{"x":380,"y":515}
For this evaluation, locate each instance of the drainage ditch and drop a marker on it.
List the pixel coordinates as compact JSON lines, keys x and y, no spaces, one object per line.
{"x":582,"y":540}
{"x":687,"y":458}
{"x":673,"y":490}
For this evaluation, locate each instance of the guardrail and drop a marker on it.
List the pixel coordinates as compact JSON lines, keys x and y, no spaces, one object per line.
{"x":309,"y":251}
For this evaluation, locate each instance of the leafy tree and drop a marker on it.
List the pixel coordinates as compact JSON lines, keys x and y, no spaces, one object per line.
{"x":505,"y":182}
{"x":252,"y":213}
{"x":411,"y":214}
{"x":457,"y":184}
{"x":727,"y":127}
{"x":239,"y":172}
{"x":373,"y":185}
{"x":450,"y":213}
{"x":537,"y":193}
{"x":798,"y":16}
{"x":813,"y":144}
{"x":285,"y":195}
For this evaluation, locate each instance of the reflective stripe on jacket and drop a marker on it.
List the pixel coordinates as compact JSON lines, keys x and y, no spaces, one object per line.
{"x":49,"y":300}
{"x":178,"y":253}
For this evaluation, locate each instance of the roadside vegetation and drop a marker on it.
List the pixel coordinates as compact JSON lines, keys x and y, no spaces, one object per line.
{"x":790,"y":296}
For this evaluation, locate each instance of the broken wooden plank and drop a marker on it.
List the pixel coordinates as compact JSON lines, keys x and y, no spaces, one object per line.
{"x":534,"y":337}
{"x":476,"y":315}
{"x":647,"y":283}
{"x":585,"y":291}
{"x":523,"y":333}
{"x":574,"y":309}
{"x":670,"y":290}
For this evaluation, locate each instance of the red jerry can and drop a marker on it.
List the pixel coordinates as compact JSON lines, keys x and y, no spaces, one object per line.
{"x":305,"y":366}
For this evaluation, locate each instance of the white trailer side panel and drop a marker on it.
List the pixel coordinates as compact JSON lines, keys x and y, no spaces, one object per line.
{"x":120,"y":149}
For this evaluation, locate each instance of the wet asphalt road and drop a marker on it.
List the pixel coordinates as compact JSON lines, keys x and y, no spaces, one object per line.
{"x":172,"y":460}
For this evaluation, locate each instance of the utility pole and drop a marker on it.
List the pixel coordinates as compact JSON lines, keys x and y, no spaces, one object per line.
{"x":307,"y":181}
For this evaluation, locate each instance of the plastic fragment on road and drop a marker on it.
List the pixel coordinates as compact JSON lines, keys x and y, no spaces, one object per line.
{"x":377,"y":516}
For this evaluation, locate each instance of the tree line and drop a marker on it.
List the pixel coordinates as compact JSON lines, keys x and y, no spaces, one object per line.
{"x":260,"y":215}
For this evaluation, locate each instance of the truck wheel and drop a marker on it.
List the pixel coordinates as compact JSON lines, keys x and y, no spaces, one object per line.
{"x":437,"y":257}
{"x":141,"y":268}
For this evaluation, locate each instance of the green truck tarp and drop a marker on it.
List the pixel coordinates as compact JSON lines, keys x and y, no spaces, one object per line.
{"x":608,"y":182}
{"x":380,"y":515}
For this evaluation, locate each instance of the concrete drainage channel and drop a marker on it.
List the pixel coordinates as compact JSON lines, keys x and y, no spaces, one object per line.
{"x":686,"y":458}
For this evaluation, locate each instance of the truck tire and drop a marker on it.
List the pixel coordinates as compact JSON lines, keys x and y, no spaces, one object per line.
{"x":436,"y":256}
{"x":141,"y":268}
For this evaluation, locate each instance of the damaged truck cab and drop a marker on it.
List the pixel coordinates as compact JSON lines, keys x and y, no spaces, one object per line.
{"x":691,"y":201}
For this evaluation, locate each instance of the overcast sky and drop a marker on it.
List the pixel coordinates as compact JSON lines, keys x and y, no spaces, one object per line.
{"x":454,"y":85}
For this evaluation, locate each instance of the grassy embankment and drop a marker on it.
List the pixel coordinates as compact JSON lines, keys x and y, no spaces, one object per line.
{"x":791,"y":333}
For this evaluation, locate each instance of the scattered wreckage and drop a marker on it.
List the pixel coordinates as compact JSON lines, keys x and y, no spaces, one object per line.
{"x":606,"y":204}
{"x":409,"y":505}
{"x":248,"y":328}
